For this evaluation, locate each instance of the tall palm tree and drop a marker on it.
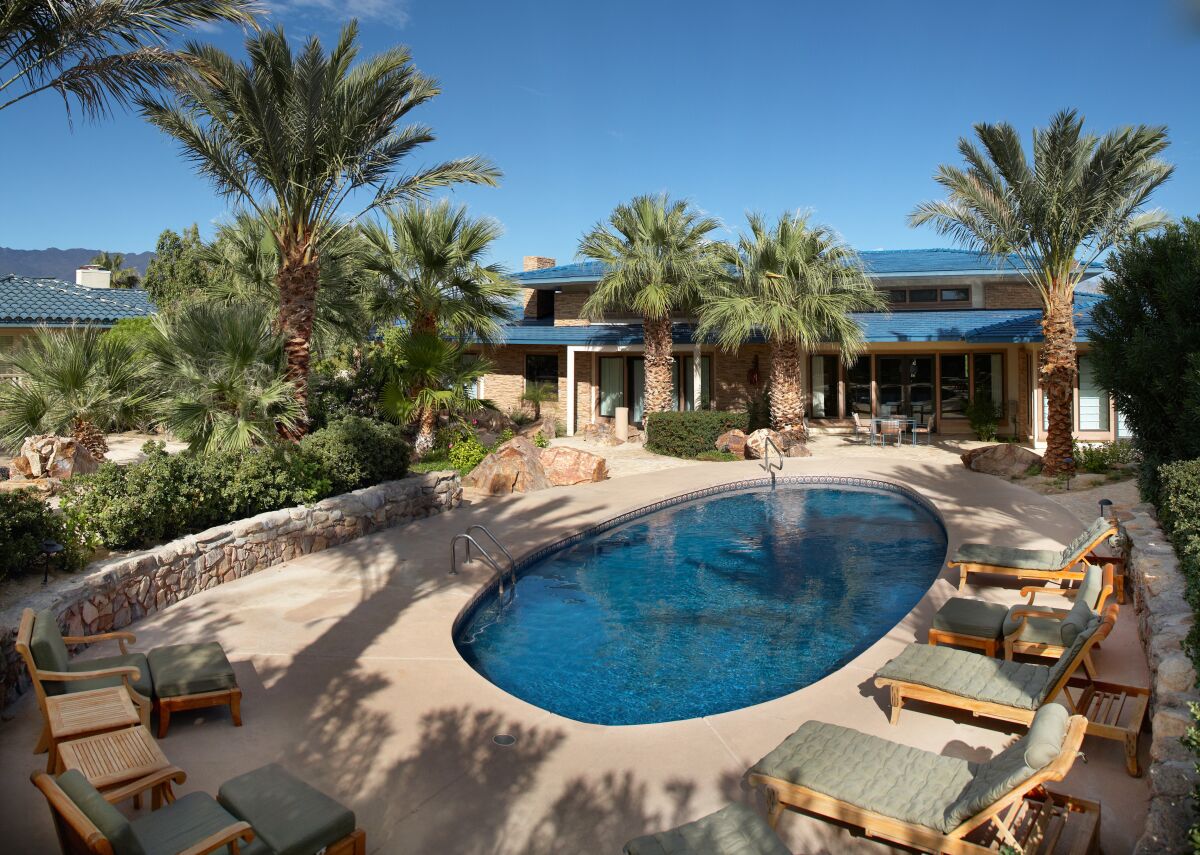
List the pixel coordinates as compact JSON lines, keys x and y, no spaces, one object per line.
{"x":293,"y":135}
{"x":79,"y":381}
{"x":98,"y":52}
{"x":796,"y":284}
{"x":220,"y":376}
{"x":430,"y":262}
{"x":1081,"y":195}
{"x":659,"y":260}
{"x":114,"y":263}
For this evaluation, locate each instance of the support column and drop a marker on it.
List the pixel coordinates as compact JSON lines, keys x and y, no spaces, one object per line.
{"x":571,"y":391}
{"x":696,"y":374}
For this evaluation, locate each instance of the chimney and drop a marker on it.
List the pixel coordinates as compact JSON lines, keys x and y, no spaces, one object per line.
{"x":537,"y":262}
{"x":93,"y":276}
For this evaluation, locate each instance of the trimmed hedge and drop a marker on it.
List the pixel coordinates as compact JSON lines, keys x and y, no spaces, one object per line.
{"x":692,"y":433}
{"x":25,"y":521}
{"x":170,"y":495}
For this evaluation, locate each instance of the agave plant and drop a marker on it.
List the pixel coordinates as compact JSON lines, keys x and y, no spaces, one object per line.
{"x":78,"y":381}
{"x":432,"y":376}
{"x":221,"y":377}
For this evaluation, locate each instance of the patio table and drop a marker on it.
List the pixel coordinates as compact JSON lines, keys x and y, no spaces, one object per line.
{"x":906,"y":425}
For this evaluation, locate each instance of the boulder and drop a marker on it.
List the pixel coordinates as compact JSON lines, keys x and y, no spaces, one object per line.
{"x":486,"y":438}
{"x":756,"y":443}
{"x":733,"y":441}
{"x":566,"y":466}
{"x":1006,"y":459}
{"x":515,"y":466}
{"x":47,"y":456}
{"x":545,"y":427}
{"x":492,"y":421}
{"x":795,"y":441}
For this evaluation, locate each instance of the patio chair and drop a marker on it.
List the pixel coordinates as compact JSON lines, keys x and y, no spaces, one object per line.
{"x":1026,"y":628}
{"x":179,"y":676}
{"x":889,"y":428}
{"x":926,"y":430}
{"x":861,"y":427}
{"x":733,"y":830}
{"x":1041,"y":564}
{"x":931,"y":802}
{"x":1014,"y":691}
{"x":269,"y":809}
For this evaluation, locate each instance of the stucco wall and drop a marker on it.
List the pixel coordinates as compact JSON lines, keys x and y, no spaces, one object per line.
{"x":113,"y":594}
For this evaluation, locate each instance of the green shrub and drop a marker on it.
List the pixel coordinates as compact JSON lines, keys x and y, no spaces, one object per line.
{"x":25,"y":521}
{"x":983,"y":416}
{"x":540,"y":440}
{"x":758,"y":411}
{"x":715,"y":456}
{"x":465,"y":454}
{"x":1103,"y":456}
{"x":354,"y":452}
{"x":690,"y":434}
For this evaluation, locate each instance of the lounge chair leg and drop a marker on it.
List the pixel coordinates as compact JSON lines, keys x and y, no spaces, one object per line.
{"x":962,"y":578}
{"x":1131,"y":754}
{"x":164,"y":719}
{"x":43,"y":743}
{"x":774,"y":807}
{"x":235,"y":708}
{"x":897,"y":702}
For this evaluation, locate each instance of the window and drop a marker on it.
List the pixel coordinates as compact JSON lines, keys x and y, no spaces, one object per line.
{"x":612,"y":385}
{"x":955,"y":389}
{"x":544,"y":305}
{"x":689,"y":382}
{"x":955,"y":295}
{"x":988,"y":380}
{"x":923,"y":295}
{"x":542,"y":368}
{"x":858,"y":386}
{"x":825,"y":403}
{"x":897,"y":295}
{"x":1093,"y":400}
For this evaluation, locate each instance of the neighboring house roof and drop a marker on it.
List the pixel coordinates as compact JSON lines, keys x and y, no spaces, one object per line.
{"x":28,"y":302}
{"x":880,"y":263}
{"x":966,"y":325}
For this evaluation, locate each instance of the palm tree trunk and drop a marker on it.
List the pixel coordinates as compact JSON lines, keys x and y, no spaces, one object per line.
{"x":1057,"y":371}
{"x":424,"y":441}
{"x":297,"y":280}
{"x":787,"y":392}
{"x":659,"y":364}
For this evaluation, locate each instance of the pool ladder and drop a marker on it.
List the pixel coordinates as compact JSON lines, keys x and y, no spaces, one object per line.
{"x":506,"y":593}
{"x":766,"y":464}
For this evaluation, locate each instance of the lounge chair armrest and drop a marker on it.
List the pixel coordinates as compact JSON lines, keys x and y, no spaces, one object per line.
{"x":162,"y":776}
{"x":1036,"y":611}
{"x":120,"y":637}
{"x":66,"y":676}
{"x":219,"y":839}
{"x":1033,"y":591}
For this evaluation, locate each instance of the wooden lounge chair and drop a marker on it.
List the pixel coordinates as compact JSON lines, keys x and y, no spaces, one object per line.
{"x":1027,"y":628}
{"x":268,"y":808}
{"x":1014,"y":691}
{"x":178,"y":676}
{"x":733,"y":830}
{"x":1040,"y":564}
{"x":931,"y":802}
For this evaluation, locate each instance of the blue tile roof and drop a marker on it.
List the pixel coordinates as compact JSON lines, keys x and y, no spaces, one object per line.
{"x":52,"y":302}
{"x":879,"y":262}
{"x":981,"y":326}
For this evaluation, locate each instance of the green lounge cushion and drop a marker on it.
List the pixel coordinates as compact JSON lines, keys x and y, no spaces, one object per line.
{"x":907,"y":783}
{"x":183,"y":823}
{"x":969,"y":675}
{"x":733,"y":830}
{"x":110,"y":821}
{"x":965,"y":616}
{"x":1008,"y":556}
{"x":1076,"y":549}
{"x":141,"y":683}
{"x":288,"y":816}
{"x":190,"y":669}
{"x":1051,"y":630}
{"x":1037,"y":630}
{"x":46,"y":643}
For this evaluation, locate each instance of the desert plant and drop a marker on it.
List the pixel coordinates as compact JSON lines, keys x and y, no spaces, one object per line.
{"x":465,"y":454}
{"x":293,"y":135}
{"x":797,"y":285}
{"x":1051,"y":219}
{"x":354,"y":452}
{"x":120,"y":275}
{"x":983,"y":415}
{"x":537,"y":394}
{"x":659,"y":259}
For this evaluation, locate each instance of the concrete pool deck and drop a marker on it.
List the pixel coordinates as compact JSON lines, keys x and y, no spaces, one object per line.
{"x":352,"y":681}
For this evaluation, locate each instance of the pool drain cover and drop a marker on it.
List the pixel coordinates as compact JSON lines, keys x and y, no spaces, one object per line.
{"x":504,"y":739}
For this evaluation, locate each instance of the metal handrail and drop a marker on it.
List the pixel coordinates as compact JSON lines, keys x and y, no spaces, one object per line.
{"x":512,"y":565}
{"x":767,"y":465}
{"x":506,"y":593}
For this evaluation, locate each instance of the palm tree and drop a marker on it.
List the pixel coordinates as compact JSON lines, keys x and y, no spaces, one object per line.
{"x":221,"y":376}
{"x":1081,"y":195}
{"x":797,"y":284}
{"x":79,"y":381}
{"x":538,"y":394}
{"x":293,"y":136}
{"x":243,"y":261}
{"x":114,"y":263}
{"x":433,"y":376}
{"x":659,"y":259}
{"x":97,"y":52}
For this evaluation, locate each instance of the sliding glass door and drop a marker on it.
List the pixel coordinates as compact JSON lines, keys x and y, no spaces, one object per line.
{"x":826,"y":391}
{"x":905,"y":385}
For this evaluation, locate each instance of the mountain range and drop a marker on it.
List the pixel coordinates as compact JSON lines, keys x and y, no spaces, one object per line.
{"x":59,"y":263}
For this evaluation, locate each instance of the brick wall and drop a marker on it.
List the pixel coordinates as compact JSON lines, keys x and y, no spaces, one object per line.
{"x":730,"y":371}
{"x":505,"y":384}
{"x":568,"y":309}
{"x":1010,"y":295}
{"x":530,"y":303}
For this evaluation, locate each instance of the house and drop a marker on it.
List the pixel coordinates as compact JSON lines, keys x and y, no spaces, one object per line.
{"x":960,"y":325}
{"x":27,"y":304}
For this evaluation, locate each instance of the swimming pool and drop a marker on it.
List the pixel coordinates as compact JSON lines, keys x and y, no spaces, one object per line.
{"x":710,"y":604}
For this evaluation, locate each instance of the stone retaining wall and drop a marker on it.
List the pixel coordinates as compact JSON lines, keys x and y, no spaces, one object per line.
{"x":113,"y":594}
{"x":1164,"y":619}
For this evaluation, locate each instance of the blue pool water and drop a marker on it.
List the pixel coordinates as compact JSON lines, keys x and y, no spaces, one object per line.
{"x":708,"y":606}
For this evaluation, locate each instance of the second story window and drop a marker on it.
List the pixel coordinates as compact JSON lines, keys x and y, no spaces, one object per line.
{"x":925,"y":298}
{"x":544,"y":305}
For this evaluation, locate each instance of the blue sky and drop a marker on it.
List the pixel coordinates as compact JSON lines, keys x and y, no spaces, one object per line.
{"x":842,"y":108}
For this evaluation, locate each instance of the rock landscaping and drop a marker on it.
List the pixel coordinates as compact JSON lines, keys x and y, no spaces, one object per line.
{"x":46,"y":456}
{"x":519,"y":466}
{"x":1007,"y":460}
